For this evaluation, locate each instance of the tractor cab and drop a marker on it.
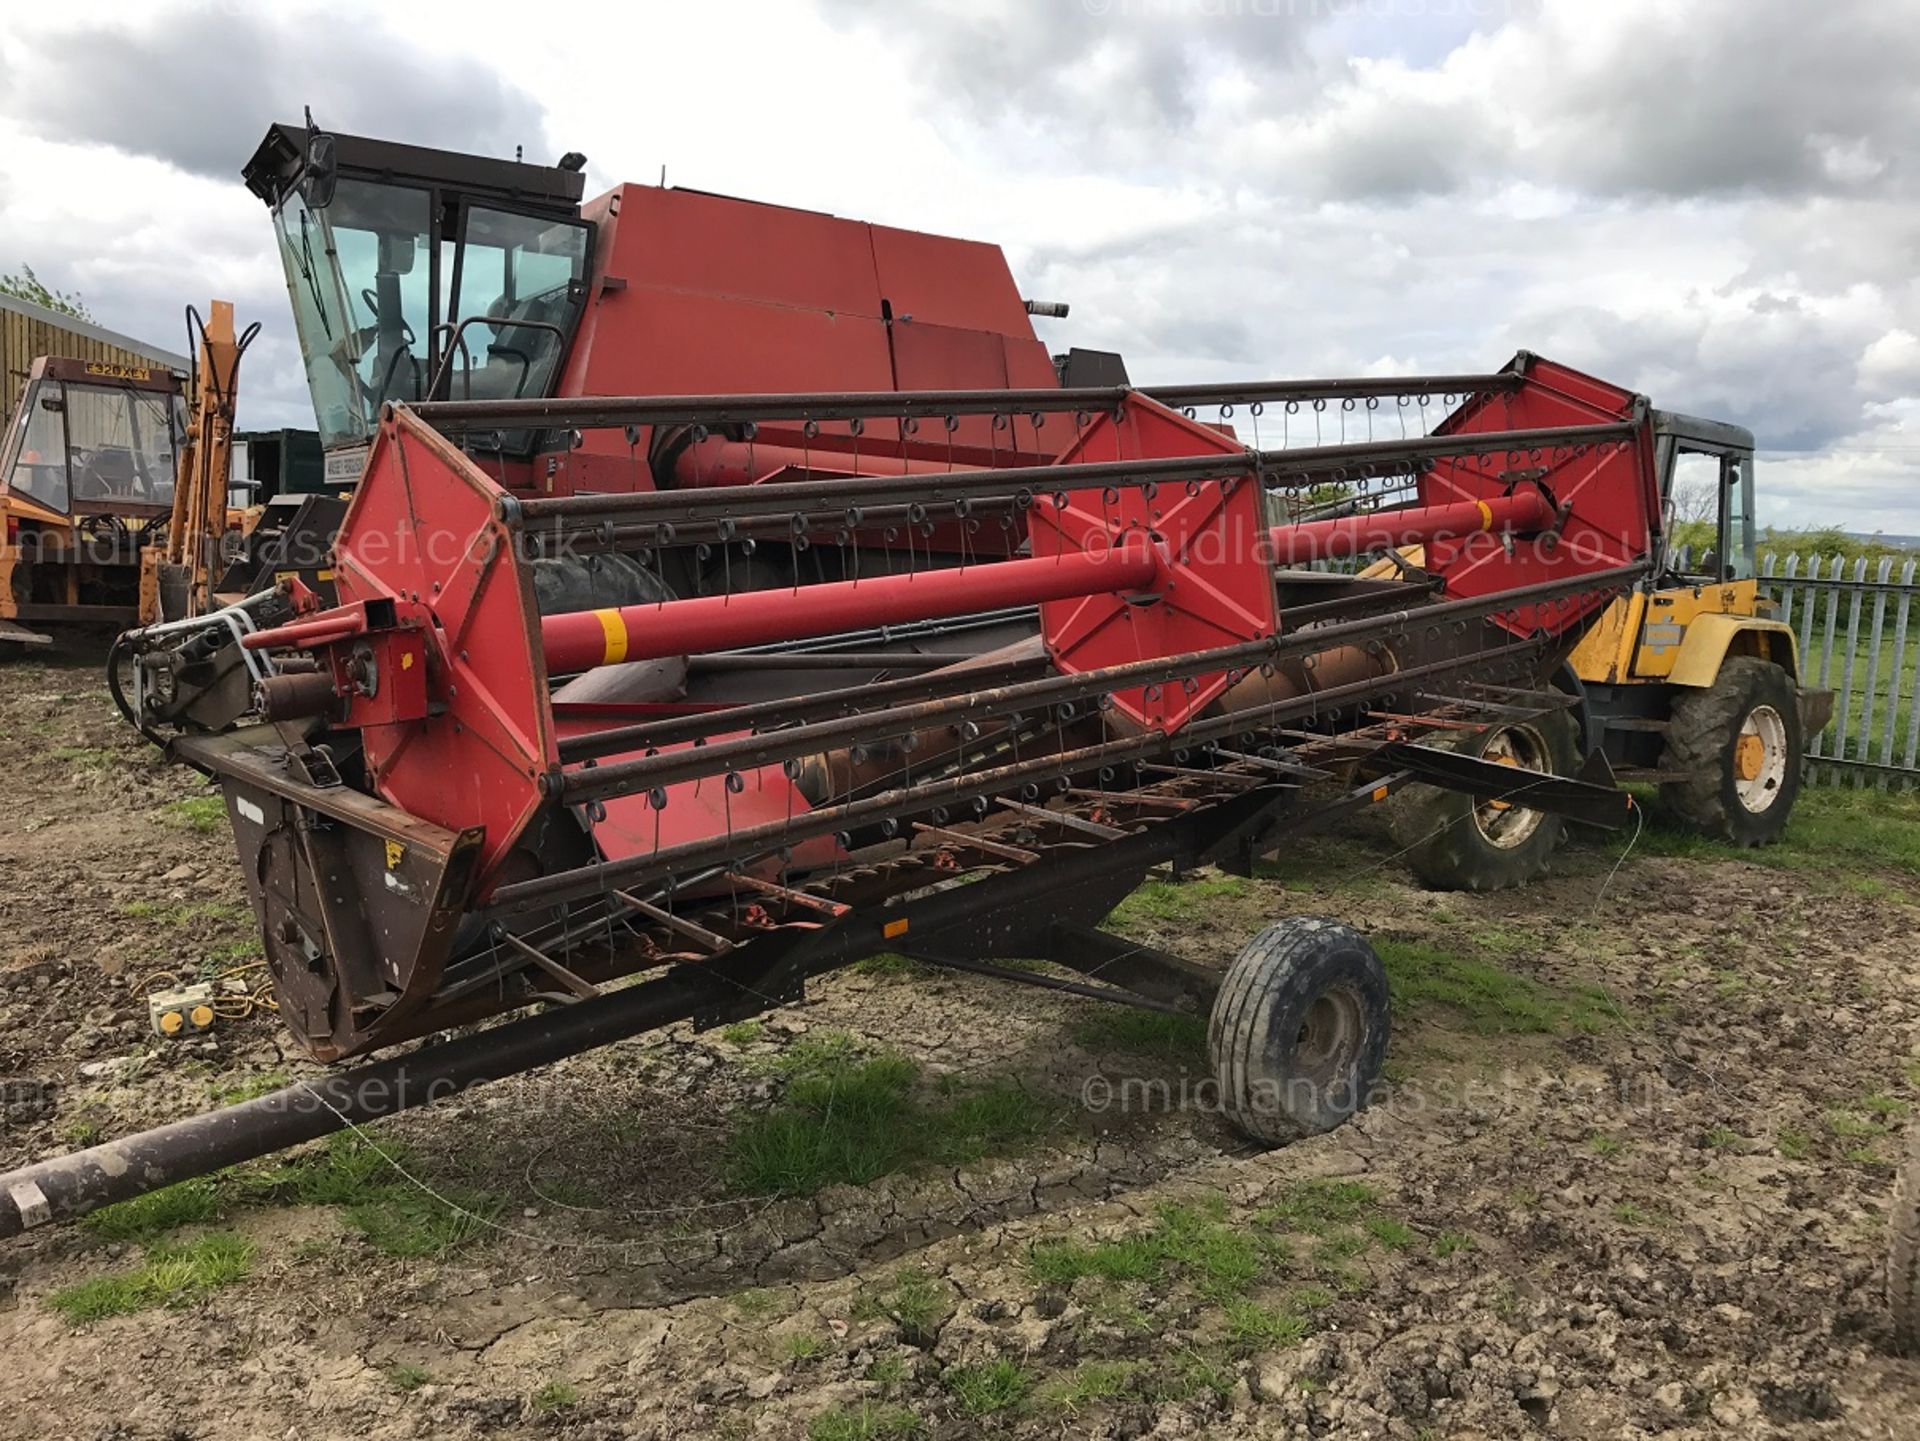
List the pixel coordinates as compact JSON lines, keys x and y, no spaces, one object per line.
{"x":93,"y":439}
{"x":421,"y":274}
{"x":1706,"y":474}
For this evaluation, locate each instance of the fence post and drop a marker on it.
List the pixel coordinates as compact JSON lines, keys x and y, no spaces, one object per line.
{"x":1845,"y":708}
{"x":1893,"y":678}
{"x":1864,"y":749}
{"x":1832,"y":607}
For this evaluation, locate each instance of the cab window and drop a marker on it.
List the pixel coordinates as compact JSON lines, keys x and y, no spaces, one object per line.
{"x":516,"y":287}
{"x":40,"y":464}
{"x":1710,"y":514}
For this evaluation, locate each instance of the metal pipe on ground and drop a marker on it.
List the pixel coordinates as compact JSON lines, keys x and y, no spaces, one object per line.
{"x":69,"y":1186}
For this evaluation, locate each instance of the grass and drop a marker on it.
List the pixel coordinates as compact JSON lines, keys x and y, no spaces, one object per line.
{"x":852,"y":1118}
{"x":1791,"y":1143}
{"x":1125,"y":1030}
{"x":555,"y":1396}
{"x":394,"y":1214}
{"x":1254,"y":1327}
{"x":144,"y":1218}
{"x":914,"y":1303}
{"x":1218,"y":1259}
{"x":1176,"y":901}
{"x":1088,"y":1383}
{"x":1836,"y":831}
{"x":802,"y":1346}
{"x":997,"y":1385}
{"x":1487,"y":1000}
{"x":203,"y":815}
{"x":756,"y":1303}
{"x":1315,"y":1206}
{"x":741,"y":1033}
{"x":251,"y":1089}
{"x":1393,"y":1234}
{"x":174,"y":1274}
{"x":407,"y":1377}
{"x":91,"y":758}
{"x":865,"y":1422}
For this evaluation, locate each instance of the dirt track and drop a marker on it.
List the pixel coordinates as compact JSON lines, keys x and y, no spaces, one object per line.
{"x":1631,"y":1180}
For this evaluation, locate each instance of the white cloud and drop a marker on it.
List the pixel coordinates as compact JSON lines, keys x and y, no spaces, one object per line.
{"x":1714,"y":203}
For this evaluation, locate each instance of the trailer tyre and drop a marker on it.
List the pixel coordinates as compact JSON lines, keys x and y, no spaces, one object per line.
{"x":1738,"y":743}
{"x":1299,"y":1030}
{"x":1903,"y":1258}
{"x":1457,"y":842}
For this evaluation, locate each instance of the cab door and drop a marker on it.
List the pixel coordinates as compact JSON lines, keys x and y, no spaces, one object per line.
{"x":1710,"y":566}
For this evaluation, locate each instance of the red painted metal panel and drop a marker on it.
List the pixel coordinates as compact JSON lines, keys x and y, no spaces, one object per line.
{"x":696,"y":810}
{"x":1216,"y":585}
{"x":938,"y":280}
{"x":1611,"y":489}
{"x":421,"y":534}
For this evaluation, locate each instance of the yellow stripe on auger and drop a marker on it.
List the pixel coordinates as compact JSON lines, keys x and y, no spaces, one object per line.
{"x":1486,"y":515}
{"x":616,"y":632}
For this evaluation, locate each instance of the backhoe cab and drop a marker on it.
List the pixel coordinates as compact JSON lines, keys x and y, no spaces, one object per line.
{"x":87,"y":469}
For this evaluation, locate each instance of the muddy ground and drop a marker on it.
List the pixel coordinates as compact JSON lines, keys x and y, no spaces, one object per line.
{"x":1631,"y":1177}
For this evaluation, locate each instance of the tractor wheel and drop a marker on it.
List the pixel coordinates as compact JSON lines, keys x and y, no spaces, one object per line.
{"x":1903,"y":1258}
{"x":1457,"y":842}
{"x":1738,"y":743}
{"x":1299,"y":1029}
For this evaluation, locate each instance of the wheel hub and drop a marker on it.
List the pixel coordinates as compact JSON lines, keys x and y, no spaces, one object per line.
{"x":1330,"y":1037}
{"x":1503,"y":823}
{"x":1760,"y":758}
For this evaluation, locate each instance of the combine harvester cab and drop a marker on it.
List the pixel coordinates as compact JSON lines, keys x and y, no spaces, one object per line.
{"x":436,"y":829}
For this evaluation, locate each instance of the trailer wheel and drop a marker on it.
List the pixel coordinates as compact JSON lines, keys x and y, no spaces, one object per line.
{"x":1299,"y":1029}
{"x":1903,"y":1258}
{"x":1457,"y":842}
{"x":1738,"y":742}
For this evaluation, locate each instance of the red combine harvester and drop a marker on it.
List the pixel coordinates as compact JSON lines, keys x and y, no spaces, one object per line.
{"x":1032,"y":636}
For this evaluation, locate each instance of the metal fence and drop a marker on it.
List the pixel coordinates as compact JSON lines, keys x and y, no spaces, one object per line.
{"x":1851,"y":620}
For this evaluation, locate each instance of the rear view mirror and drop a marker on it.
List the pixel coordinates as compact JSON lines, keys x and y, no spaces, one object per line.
{"x":322,"y":171}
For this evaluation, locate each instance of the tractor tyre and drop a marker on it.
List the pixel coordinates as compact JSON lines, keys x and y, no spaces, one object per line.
{"x":1299,"y":1030}
{"x":1737,"y":744}
{"x":1903,"y":1256}
{"x":1457,"y":842}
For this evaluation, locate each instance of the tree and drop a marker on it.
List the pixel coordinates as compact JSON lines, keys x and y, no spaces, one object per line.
{"x":26,"y":286}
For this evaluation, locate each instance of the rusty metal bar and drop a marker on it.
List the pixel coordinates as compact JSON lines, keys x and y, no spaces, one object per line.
{"x":673,"y":507}
{"x":593,"y":412}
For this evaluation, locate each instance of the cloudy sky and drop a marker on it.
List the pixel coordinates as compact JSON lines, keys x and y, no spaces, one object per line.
{"x":1716,"y":202}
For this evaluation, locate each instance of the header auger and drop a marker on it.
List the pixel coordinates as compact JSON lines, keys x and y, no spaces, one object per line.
{"x":1117,"y":665}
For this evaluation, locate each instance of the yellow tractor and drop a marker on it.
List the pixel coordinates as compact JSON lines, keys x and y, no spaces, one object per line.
{"x":1688,"y":680}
